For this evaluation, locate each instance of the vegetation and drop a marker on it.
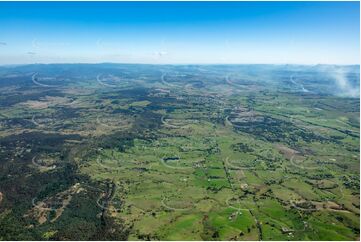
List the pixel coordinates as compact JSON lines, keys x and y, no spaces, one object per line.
{"x":176,"y":153}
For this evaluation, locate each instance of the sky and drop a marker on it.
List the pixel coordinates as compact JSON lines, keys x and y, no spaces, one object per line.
{"x":180,"y":32}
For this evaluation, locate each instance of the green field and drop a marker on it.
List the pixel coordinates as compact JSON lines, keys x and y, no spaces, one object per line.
{"x":176,"y":157}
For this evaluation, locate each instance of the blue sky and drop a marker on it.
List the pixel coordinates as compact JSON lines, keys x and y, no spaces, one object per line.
{"x":180,"y":32}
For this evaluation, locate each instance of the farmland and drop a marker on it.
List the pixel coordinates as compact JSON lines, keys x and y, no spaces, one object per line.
{"x":142,"y":152}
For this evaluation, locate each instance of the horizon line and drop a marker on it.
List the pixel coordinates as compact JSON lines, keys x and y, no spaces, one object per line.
{"x":159,"y":64}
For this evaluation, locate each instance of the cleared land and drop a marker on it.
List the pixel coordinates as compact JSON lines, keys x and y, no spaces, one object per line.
{"x":173,"y":153}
